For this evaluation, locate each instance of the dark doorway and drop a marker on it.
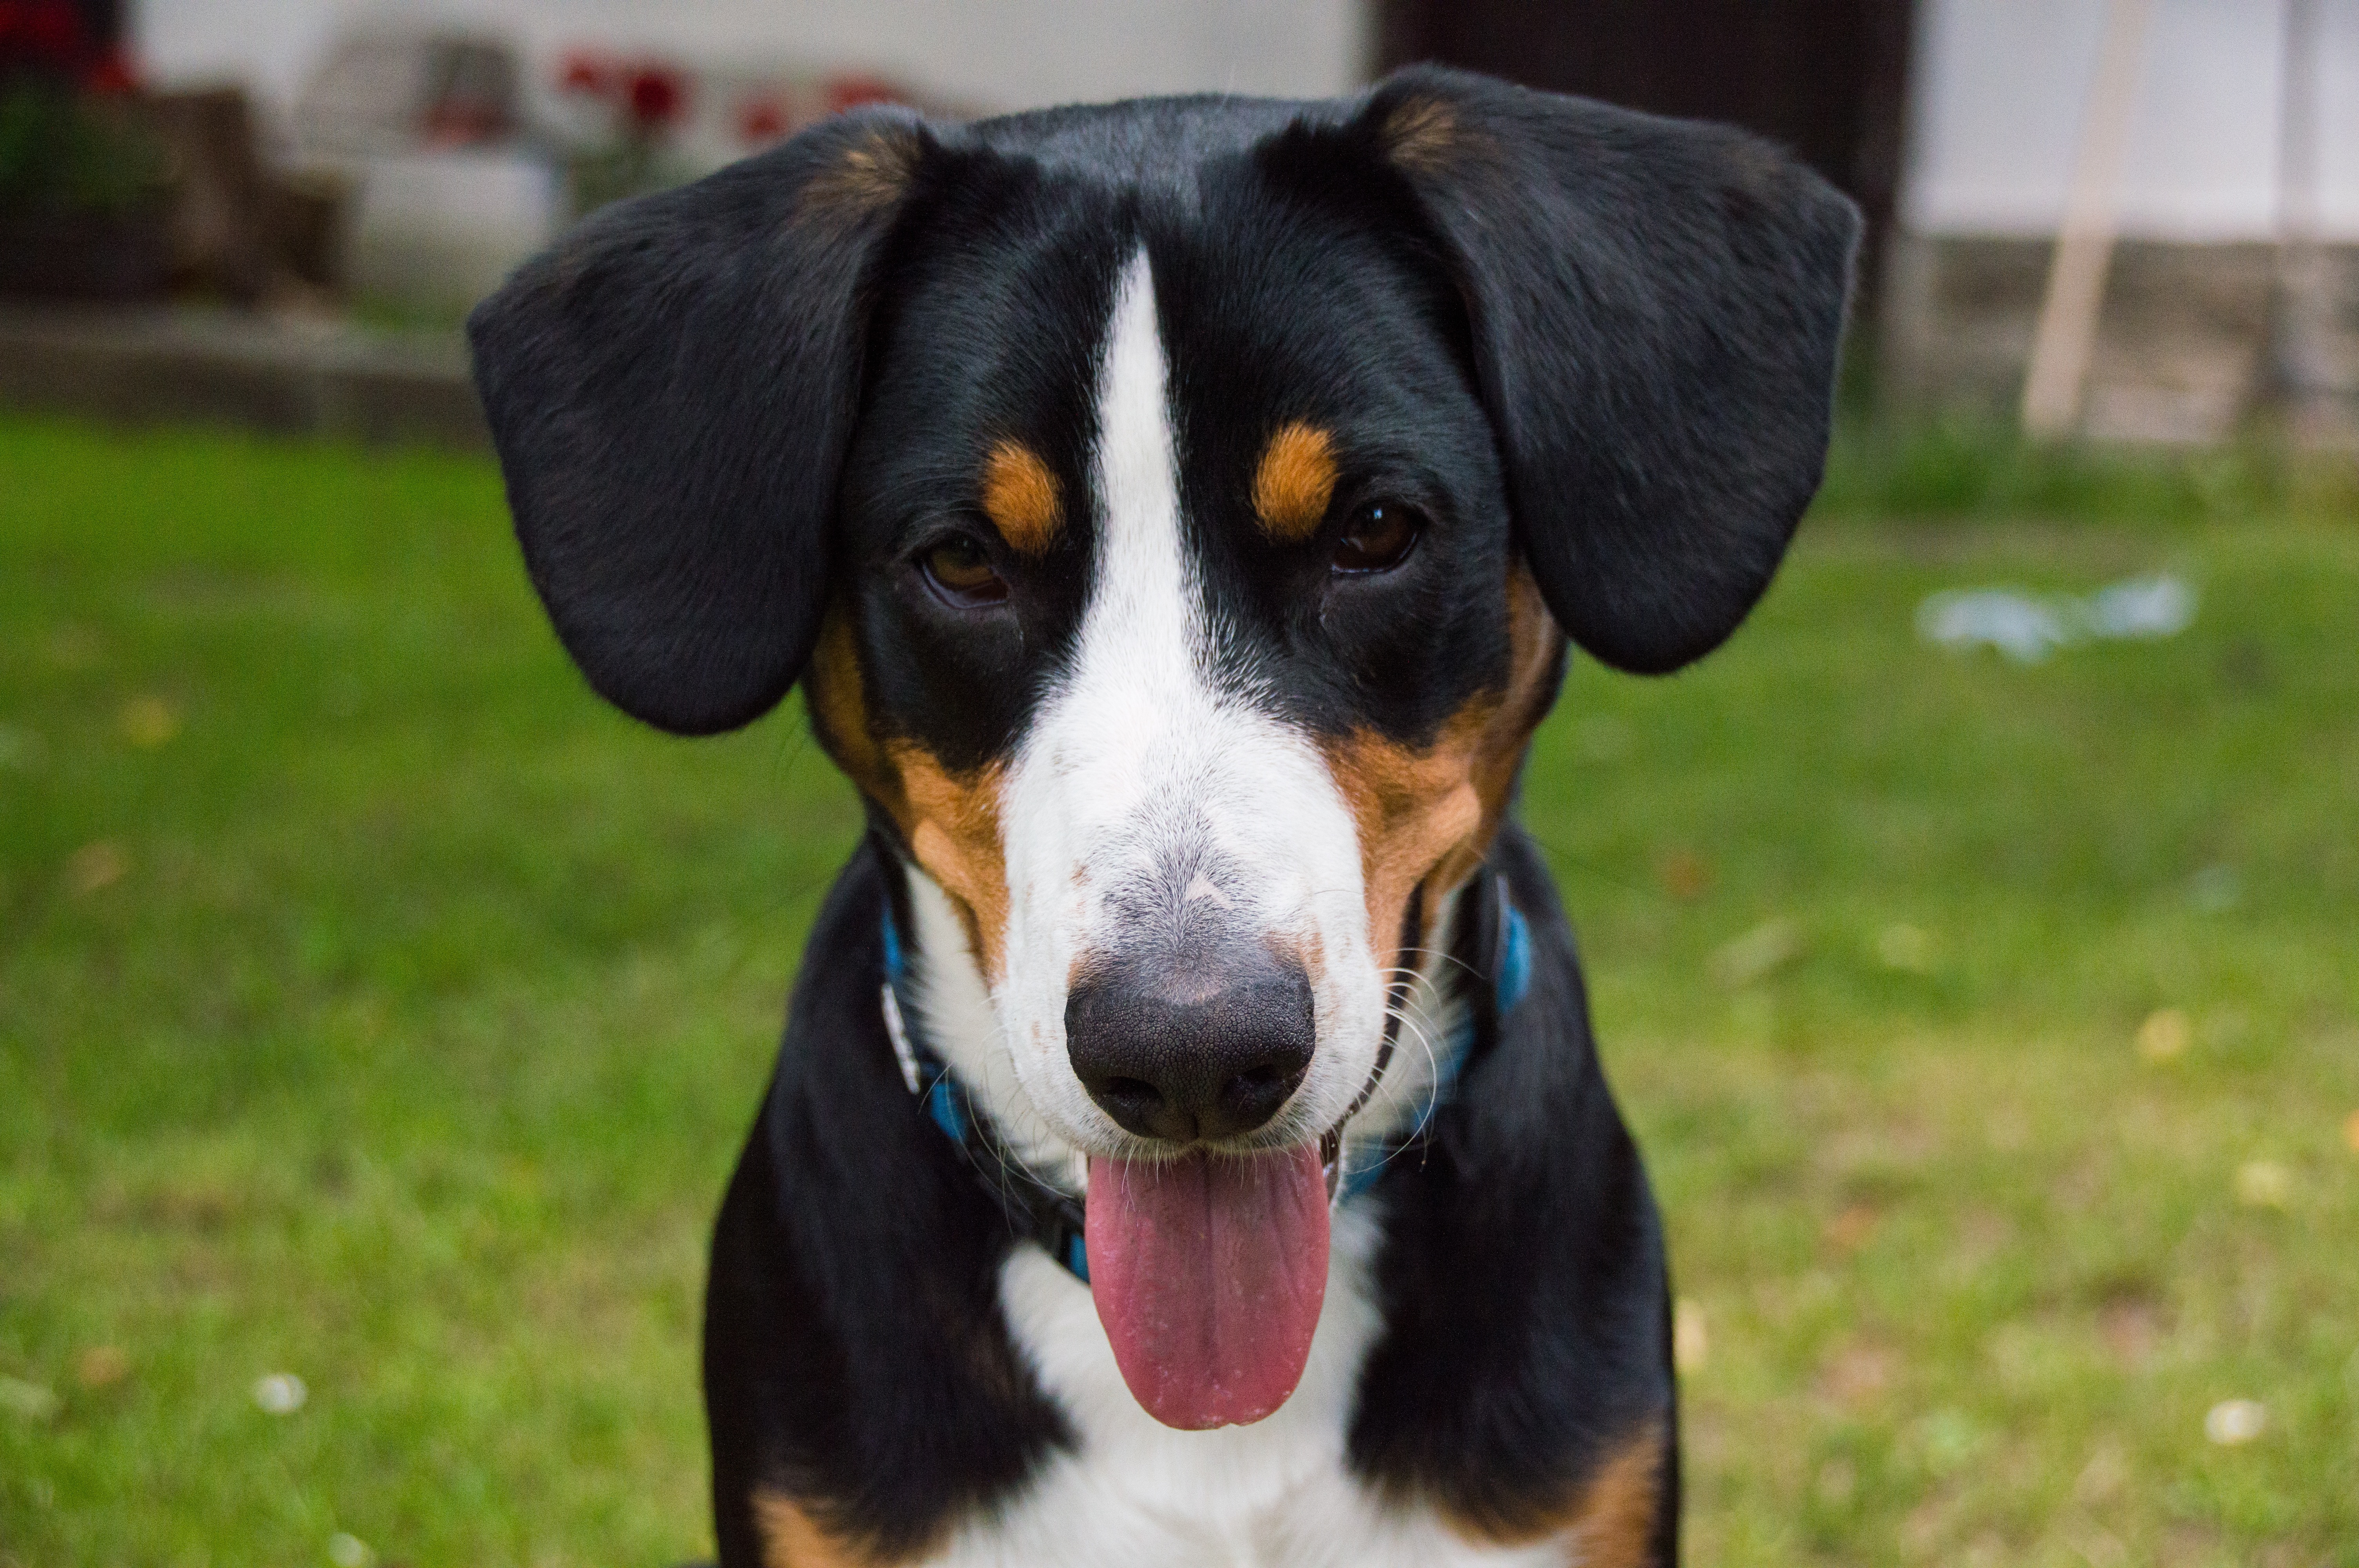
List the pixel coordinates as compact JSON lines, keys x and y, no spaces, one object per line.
{"x":1827,"y":77}
{"x":101,"y":21}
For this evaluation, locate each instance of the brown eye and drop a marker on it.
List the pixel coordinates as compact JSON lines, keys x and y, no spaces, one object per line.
{"x":961,"y":571}
{"x":1378,"y":538}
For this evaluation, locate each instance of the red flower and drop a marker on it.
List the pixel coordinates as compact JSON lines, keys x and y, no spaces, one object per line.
{"x":41,"y":32}
{"x":584,"y":71}
{"x":656,"y":97}
{"x":851,"y":92}
{"x":761,"y":121}
{"x":111,"y":75}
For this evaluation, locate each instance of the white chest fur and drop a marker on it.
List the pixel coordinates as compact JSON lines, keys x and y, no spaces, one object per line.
{"x":1134,"y":1492}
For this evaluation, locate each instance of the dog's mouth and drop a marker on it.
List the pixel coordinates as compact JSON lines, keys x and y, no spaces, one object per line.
{"x":1209,"y":1270}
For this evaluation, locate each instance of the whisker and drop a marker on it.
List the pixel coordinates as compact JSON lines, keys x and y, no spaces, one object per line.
{"x":1446,"y":955}
{"x":1432,"y":1092}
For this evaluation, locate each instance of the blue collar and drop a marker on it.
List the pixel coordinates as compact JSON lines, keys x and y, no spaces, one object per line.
{"x":1043,"y":1212}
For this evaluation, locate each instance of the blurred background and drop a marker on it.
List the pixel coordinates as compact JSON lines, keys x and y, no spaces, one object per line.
{"x":1973,"y":940}
{"x":386,"y":162}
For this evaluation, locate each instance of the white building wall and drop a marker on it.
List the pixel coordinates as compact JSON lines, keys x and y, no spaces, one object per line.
{"x":994,"y":54}
{"x":1997,"y":102}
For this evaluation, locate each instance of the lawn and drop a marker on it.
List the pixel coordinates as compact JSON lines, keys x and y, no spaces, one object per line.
{"x":379,"y":1011}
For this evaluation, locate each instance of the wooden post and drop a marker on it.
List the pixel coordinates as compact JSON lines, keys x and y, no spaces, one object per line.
{"x":2301,"y":318}
{"x":2067,"y":332}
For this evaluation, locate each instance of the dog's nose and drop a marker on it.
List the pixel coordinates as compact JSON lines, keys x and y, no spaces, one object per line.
{"x":1207,"y":1050}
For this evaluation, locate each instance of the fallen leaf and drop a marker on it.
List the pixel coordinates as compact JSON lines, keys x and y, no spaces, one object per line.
{"x":1686,"y":875}
{"x":2264,"y":1184}
{"x":1758,"y":954}
{"x":2232,"y":1422}
{"x":2350,"y":1131}
{"x":2164,"y":1037}
{"x":95,"y":866}
{"x":147,"y":722}
{"x":102,"y":1367}
{"x":1691,"y":1344}
{"x":2131,"y":1328}
{"x":1850,"y":1229}
{"x":1856,"y":1373}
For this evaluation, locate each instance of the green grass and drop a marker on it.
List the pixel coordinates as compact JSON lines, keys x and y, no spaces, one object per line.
{"x":377,"y":1007}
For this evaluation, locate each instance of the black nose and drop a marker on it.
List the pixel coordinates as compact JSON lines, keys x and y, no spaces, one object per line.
{"x":1204,"y":1049}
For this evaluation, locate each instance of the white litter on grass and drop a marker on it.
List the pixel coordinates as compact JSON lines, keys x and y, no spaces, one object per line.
{"x":279,"y":1393}
{"x":2028,"y":627}
{"x":349,"y":1551}
{"x":2232,"y":1422}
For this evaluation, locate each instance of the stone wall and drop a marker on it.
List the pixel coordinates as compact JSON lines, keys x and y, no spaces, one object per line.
{"x":2181,"y":352}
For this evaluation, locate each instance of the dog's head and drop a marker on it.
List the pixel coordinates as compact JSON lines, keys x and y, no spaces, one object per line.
{"x":1171,"y":510}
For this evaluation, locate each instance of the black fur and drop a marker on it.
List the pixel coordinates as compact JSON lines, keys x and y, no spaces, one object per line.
{"x":670,"y":390}
{"x":1523,"y":1262}
{"x":1602,"y":340}
{"x":1656,"y":309}
{"x":853,"y":1348}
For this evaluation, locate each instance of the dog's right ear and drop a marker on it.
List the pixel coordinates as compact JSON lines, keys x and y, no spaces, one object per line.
{"x":671,"y":388}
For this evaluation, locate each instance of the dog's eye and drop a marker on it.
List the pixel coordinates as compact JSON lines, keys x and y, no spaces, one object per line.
{"x":958,"y":567}
{"x":1378,"y":538}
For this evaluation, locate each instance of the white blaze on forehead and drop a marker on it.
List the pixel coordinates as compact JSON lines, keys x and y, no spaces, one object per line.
{"x":1142,"y":769}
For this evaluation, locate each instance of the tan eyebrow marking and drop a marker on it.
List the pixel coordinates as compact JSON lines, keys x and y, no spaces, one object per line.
{"x":1020,"y":496}
{"x":869,"y":177}
{"x":1294,"y":483}
{"x":1421,"y":133}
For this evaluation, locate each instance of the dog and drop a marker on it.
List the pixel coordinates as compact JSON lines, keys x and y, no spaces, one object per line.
{"x":1187,"y":1145}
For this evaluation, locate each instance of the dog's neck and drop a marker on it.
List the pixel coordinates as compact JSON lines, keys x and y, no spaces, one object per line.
{"x":952,"y":1007}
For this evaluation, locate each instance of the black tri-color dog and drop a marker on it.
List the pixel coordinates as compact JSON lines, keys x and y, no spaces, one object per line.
{"x":1187,"y":1146}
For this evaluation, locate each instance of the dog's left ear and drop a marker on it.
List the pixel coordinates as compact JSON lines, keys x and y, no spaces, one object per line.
{"x":1655,"y":308}
{"x":671,"y":389}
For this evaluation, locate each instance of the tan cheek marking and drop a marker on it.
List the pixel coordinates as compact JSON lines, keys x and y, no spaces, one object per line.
{"x":1020,"y":496}
{"x":953,"y":830}
{"x":1411,"y":808}
{"x":1534,"y":645}
{"x":1425,"y":818}
{"x":950,"y":820}
{"x":792,"y":1539}
{"x":834,"y":692}
{"x":1294,"y":480}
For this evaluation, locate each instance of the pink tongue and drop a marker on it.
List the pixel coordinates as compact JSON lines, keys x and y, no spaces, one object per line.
{"x":1208,"y":1272}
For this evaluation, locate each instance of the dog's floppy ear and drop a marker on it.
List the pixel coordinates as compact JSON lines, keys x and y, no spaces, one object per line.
{"x":1655,"y":308}
{"x":671,"y":388}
